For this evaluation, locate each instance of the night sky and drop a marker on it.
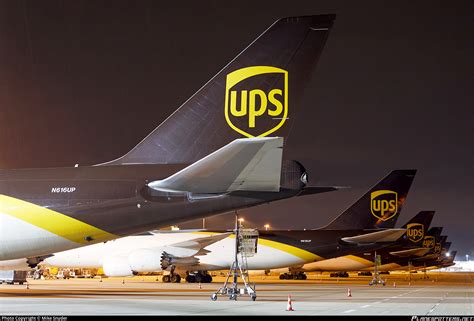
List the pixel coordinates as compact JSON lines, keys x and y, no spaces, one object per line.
{"x":84,"y":81}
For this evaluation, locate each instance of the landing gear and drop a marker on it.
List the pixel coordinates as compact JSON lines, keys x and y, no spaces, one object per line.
{"x":199,"y":277}
{"x":175,"y":278}
{"x":172,"y":277}
{"x":293,"y":276}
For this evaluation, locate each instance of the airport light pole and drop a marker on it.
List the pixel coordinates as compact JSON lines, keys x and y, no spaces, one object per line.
{"x":467,"y":257}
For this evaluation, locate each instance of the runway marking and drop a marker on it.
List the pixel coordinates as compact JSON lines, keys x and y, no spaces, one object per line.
{"x":349,"y":311}
{"x":432,"y":309}
{"x":436,"y":305}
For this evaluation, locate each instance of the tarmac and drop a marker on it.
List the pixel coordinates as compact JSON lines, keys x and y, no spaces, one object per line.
{"x":442,"y":294}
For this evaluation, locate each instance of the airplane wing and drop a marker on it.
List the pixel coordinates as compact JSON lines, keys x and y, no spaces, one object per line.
{"x":388,"y":235}
{"x":419,"y":251}
{"x":246,"y":164}
{"x":178,"y":254}
{"x":202,"y":242}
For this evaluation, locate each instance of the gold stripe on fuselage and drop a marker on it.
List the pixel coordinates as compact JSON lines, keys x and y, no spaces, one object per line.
{"x":293,"y":250}
{"x":52,"y":221}
{"x":359,"y":259}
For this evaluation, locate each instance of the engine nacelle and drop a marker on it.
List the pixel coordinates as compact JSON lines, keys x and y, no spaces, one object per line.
{"x":117,"y":266}
{"x":145,"y":260}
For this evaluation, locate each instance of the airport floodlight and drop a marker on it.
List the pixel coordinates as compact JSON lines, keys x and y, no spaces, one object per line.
{"x":267,"y":227}
{"x":467,"y":257}
{"x":448,"y":254}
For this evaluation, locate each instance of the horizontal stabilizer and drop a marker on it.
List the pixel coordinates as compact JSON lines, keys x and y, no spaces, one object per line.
{"x":308,"y":190}
{"x":420,"y":251}
{"x":428,"y":257}
{"x":246,"y":164}
{"x":388,"y":235}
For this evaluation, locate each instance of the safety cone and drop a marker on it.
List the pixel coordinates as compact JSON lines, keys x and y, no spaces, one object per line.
{"x":200,"y":285}
{"x":123,"y":281}
{"x":394,"y":284}
{"x":349,"y":293}
{"x":27,"y":285}
{"x":289,"y":307}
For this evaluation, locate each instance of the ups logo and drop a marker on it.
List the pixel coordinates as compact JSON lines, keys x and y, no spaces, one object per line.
{"x":429,"y":242}
{"x":384,"y":204}
{"x":256,"y":112}
{"x":437,"y":248}
{"x":415,"y":232}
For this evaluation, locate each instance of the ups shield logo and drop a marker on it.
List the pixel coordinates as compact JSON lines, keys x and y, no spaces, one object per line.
{"x":253,"y":111}
{"x":429,"y":242}
{"x":437,"y":248}
{"x":384,"y":204}
{"x":415,"y":232}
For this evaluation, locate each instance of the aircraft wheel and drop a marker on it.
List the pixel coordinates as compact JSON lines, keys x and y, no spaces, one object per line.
{"x":207,"y":278}
{"x":253,"y":297}
{"x":198,"y":278}
{"x":214,"y":297}
{"x":304,"y":276}
{"x":191,"y":278}
{"x":165,"y":279}
{"x":233,"y":297}
{"x":176,"y":278}
{"x":282,"y":277}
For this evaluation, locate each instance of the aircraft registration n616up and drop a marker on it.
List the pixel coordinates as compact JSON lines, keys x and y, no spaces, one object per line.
{"x":214,"y":154}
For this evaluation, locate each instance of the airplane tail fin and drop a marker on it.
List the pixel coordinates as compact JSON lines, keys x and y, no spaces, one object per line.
{"x":431,"y":238}
{"x":417,"y":227}
{"x":257,"y":94}
{"x":380,"y":206}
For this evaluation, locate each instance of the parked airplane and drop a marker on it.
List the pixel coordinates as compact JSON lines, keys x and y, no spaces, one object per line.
{"x":364,"y":261}
{"x":194,"y":164}
{"x":361,"y":228}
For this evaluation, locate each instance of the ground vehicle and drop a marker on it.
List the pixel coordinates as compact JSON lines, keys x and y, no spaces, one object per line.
{"x":11,"y":277}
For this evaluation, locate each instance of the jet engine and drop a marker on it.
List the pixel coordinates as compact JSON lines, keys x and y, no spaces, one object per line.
{"x":145,"y":260}
{"x":117,"y":266}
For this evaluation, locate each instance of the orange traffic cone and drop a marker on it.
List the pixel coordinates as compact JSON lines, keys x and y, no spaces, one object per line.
{"x":27,"y":285}
{"x":349,"y":293}
{"x":289,"y":307}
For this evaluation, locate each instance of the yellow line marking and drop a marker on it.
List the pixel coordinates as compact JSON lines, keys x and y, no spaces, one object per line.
{"x":359,"y":259}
